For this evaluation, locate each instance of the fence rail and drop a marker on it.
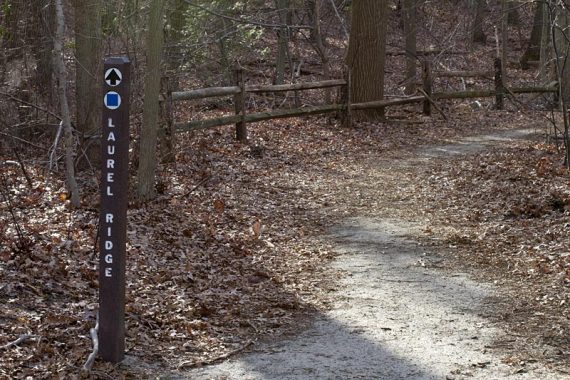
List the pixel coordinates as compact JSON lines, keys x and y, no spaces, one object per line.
{"x":427,"y":97}
{"x":210,"y":92}
{"x":234,"y":90}
{"x":256,"y":117}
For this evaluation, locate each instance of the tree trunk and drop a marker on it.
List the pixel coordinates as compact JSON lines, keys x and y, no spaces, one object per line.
{"x":88,"y":75}
{"x":147,"y":161}
{"x":174,"y":57}
{"x":561,"y":45}
{"x":224,"y":52}
{"x":314,"y":13}
{"x":66,"y":118}
{"x":12,"y":14}
{"x":132,"y":26}
{"x":545,"y":45}
{"x":409,"y":18}
{"x":282,"y":41}
{"x":504,"y":38}
{"x":478,"y":33}
{"x":513,"y":13}
{"x":44,"y":18}
{"x":175,"y":35}
{"x":366,"y":53}
{"x":532,"y":53}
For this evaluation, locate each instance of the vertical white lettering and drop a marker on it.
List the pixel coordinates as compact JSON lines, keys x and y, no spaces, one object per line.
{"x":108,"y":245}
{"x":108,"y":231}
{"x":111,"y":149}
{"x":109,"y":259}
{"x":110,"y":124}
{"x":109,"y":218}
{"x":108,"y":272}
{"x":111,"y":137}
{"x":109,"y":191}
{"x":110,"y":163}
{"x":110,"y":177}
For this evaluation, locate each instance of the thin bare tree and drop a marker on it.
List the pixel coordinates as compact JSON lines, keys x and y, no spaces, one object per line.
{"x":149,"y":131}
{"x":59,"y":66}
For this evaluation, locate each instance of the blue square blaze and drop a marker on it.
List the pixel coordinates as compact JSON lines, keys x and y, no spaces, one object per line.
{"x":112,"y":100}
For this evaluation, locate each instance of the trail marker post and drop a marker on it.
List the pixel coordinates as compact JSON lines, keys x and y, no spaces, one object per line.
{"x":113,"y":212}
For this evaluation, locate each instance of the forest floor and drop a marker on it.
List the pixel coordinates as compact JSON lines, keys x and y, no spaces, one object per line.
{"x":247,"y":244}
{"x":239,"y":249}
{"x":407,"y":306}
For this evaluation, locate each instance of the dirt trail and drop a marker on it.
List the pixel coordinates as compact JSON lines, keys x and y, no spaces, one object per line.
{"x":396,"y":313}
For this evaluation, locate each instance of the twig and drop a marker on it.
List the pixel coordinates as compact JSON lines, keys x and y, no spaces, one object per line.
{"x":30,"y":104}
{"x":24,"y":141}
{"x":84,"y":154}
{"x":497,"y":42}
{"x":5,"y":191}
{"x":203,"y":181}
{"x":103,"y":374}
{"x":247,"y":22}
{"x":95,"y":241}
{"x":192,"y":364}
{"x":512,"y":97}
{"x":433,"y":104}
{"x":21,"y":339}
{"x":54,"y":147}
{"x":91,"y":359}
{"x":253,"y":326}
{"x":22,"y":166}
{"x":340,"y":19}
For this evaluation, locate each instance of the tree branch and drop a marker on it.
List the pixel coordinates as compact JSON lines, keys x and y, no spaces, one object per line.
{"x":433,"y":104}
{"x":248,"y":22}
{"x":21,"y":339}
{"x":193,"y":364}
{"x":30,"y":104}
{"x":91,"y":359}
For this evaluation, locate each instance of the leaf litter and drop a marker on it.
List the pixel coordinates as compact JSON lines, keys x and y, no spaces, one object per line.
{"x":215,"y":265}
{"x":230,"y":252}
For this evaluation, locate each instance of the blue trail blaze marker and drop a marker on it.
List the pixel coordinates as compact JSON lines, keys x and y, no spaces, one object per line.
{"x":112,"y":100}
{"x":113,"y":213}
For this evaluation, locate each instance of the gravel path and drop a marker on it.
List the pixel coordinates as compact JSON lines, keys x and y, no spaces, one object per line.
{"x":395,"y":314}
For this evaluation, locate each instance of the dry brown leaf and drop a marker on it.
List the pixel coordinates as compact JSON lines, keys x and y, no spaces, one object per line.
{"x":256,"y":228}
{"x":219,"y":205}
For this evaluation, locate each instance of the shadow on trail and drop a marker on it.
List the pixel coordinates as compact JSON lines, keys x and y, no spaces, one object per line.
{"x":393,"y":318}
{"x":394,"y":315}
{"x":328,"y":350}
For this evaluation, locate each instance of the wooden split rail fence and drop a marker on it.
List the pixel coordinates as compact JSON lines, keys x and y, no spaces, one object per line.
{"x":241,"y":118}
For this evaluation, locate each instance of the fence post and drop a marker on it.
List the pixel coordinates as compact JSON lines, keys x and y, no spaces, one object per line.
{"x":168,"y":134}
{"x":239,"y":103}
{"x":346,"y":118}
{"x":428,"y":86}
{"x":499,"y":86}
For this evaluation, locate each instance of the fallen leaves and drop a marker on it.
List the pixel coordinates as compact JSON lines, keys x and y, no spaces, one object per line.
{"x":507,"y":211}
{"x":219,"y":205}
{"x":256,"y":229}
{"x":230,"y":250}
{"x":216,"y":263}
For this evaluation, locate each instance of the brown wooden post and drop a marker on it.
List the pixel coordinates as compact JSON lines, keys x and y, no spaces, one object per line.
{"x":239,"y":102}
{"x":428,"y":86}
{"x":499,"y":87}
{"x":113,"y":209}
{"x":168,"y":136}
{"x":347,"y":98}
